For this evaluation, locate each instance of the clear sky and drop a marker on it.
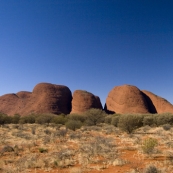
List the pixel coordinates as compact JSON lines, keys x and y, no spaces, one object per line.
{"x":92,"y":45}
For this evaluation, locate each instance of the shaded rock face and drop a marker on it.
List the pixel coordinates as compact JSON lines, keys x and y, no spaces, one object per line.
{"x":126,"y":99}
{"x":83,"y":100}
{"x":45,"y":98}
{"x":158,"y":104}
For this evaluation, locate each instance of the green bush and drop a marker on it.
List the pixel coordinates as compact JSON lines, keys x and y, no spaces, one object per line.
{"x":108,"y":119}
{"x":129,"y":123}
{"x":73,"y":125}
{"x":94,"y":116}
{"x":165,"y":118}
{"x":5,"y":119}
{"x":148,"y":145}
{"x":27,"y":119}
{"x":115,"y":121}
{"x":149,"y":120}
{"x":44,"y":118}
{"x":76,"y":117}
{"x":59,"y":119}
{"x":15,"y":119}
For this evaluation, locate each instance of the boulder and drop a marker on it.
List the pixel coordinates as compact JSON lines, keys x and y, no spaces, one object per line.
{"x":83,"y":100}
{"x":126,"y":99}
{"x":45,"y":98}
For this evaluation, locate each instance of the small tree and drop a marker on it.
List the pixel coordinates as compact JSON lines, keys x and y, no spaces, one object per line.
{"x":59,"y":119}
{"x":15,"y":119}
{"x":5,"y":119}
{"x":27,"y":119}
{"x":94,"y":116}
{"x":77,"y":117}
{"x":129,"y":123}
{"x":73,"y":125}
{"x":44,"y":118}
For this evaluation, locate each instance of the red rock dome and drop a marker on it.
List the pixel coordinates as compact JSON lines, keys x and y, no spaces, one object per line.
{"x":45,"y":98}
{"x":83,"y":100}
{"x":158,"y":103}
{"x":126,"y":99}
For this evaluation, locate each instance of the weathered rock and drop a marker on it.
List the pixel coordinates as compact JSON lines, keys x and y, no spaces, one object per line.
{"x":126,"y":99}
{"x":83,"y":100}
{"x":158,"y":104}
{"x":45,"y":98}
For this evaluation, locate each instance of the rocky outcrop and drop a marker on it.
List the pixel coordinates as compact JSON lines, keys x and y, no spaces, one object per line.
{"x":57,"y":99}
{"x":45,"y":98}
{"x":83,"y":100}
{"x":126,"y":99}
{"x":158,"y":104}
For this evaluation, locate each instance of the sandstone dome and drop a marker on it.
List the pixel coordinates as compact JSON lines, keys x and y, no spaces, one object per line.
{"x":83,"y":100}
{"x":45,"y":98}
{"x":158,"y":104}
{"x":126,"y":99}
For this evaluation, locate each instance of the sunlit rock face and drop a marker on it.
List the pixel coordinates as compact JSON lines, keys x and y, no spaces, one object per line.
{"x":126,"y":99}
{"x":83,"y":100}
{"x":158,"y":104}
{"x":45,"y":98}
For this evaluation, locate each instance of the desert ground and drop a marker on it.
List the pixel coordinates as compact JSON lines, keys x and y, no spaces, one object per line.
{"x":36,"y":148}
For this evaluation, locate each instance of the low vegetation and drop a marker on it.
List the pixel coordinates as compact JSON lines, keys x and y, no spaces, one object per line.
{"x":93,"y":141}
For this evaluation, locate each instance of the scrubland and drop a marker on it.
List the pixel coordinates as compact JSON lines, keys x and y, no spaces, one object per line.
{"x":92,"y":142}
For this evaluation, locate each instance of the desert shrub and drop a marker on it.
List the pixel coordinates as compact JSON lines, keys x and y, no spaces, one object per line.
{"x":27,"y":119}
{"x":148,"y":120}
{"x":108,"y":119}
{"x":73,"y":124}
{"x":151,"y":169}
{"x":59,"y":119}
{"x":115,"y":121}
{"x":5,"y":119}
{"x":47,"y":132}
{"x":94,"y":116}
{"x":44,"y":118}
{"x":33,"y":130}
{"x":165,"y":118}
{"x":98,"y":146}
{"x":166,"y":126}
{"x":148,"y":145}
{"x":15,"y":119}
{"x":76,"y":117}
{"x":62,"y":132}
{"x":43,"y":150}
{"x":129,"y":123}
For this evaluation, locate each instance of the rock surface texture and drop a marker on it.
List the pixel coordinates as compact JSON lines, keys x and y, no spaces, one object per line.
{"x":129,"y":99}
{"x":57,"y":99}
{"x":158,"y":104}
{"x":126,"y":99}
{"x":83,"y":100}
{"x":45,"y":98}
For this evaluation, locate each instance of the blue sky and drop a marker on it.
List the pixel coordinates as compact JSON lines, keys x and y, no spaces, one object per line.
{"x":92,"y":45}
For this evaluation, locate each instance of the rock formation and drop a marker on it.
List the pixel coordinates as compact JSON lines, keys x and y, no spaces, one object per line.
{"x":158,"y":104}
{"x":83,"y":100}
{"x":45,"y":98}
{"x":126,"y":99}
{"x":57,"y":99}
